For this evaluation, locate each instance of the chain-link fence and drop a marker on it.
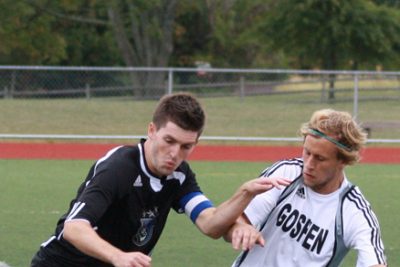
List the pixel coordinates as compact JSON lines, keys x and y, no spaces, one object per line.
{"x":140,"y":83}
{"x":355,"y":88}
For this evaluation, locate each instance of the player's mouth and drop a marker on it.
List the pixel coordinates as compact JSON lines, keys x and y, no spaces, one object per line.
{"x":170,"y":164}
{"x":307,"y":175}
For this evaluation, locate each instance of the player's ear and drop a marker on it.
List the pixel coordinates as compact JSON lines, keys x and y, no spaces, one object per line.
{"x":151,"y":130}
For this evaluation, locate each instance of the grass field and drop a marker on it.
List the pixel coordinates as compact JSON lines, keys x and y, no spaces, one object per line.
{"x":34,"y":194}
{"x":263,"y":116}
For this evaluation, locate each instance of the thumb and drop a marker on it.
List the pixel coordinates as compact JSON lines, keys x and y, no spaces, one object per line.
{"x":260,"y":241}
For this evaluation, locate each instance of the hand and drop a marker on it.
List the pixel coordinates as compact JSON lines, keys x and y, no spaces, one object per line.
{"x":245,"y":236}
{"x":131,"y":259}
{"x":263,"y":184}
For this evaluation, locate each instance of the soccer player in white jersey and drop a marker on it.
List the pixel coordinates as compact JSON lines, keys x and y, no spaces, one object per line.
{"x":122,"y":206}
{"x":320,"y":216}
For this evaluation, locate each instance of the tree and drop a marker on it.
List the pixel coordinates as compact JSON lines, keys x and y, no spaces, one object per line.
{"x":191,"y":34}
{"x":140,"y":30}
{"x":28,"y":36}
{"x":331,"y":34}
{"x":85,"y":27}
{"x":144,"y":33}
{"x":222,"y":32}
{"x":234,"y":40}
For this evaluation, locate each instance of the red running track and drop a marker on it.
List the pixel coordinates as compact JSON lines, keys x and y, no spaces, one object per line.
{"x":384,"y":155}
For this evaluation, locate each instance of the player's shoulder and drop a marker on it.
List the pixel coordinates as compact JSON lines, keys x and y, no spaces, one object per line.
{"x":184,"y":173}
{"x":356,"y":199}
{"x":120,"y":157}
{"x":126,"y":150}
{"x":122,"y":152}
{"x":356,"y":205}
{"x":184,"y":167}
{"x":287,"y":167}
{"x":357,"y":214}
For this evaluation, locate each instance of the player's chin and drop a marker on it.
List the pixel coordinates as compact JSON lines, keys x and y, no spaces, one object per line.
{"x":308,"y":180}
{"x":167,"y":170}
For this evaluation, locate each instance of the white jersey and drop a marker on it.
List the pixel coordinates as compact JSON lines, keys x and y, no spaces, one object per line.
{"x":304,"y":228}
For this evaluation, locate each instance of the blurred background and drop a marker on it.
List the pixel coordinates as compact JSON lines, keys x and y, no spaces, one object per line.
{"x":257,"y":64}
{"x":289,"y":34}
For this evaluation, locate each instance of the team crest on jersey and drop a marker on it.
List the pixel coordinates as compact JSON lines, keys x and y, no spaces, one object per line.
{"x":301,"y":192}
{"x":145,"y":231}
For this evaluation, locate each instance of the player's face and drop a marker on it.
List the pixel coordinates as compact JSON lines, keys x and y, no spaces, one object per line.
{"x":323,"y":171}
{"x":168,"y":146}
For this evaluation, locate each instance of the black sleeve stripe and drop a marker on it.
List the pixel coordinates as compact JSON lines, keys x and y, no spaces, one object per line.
{"x":371,"y":215}
{"x":360,"y":202}
{"x":78,"y":206}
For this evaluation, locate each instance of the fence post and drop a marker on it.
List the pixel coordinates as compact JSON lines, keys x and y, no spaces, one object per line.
{"x":355,"y":98}
{"x":241,"y":87}
{"x":87,"y":91}
{"x":323,"y":94}
{"x":12,"y":87}
{"x":170,"y":81}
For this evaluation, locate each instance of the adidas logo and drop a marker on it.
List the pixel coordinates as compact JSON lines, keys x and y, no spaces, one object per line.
{"x":138,"y":182}
{"x":301,"y":193}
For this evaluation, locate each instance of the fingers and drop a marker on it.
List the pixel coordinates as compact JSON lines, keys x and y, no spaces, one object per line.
{"x":143,"y":261}
{"x":274,"y":182}
{"x":132,"y":259}
{"x":260,"y":240}
{"x":277,"y":182}
{"x":245,"y":237}
{"x":263,"y":184}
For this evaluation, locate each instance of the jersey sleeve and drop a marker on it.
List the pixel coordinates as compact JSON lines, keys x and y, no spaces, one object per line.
{"x":363,"y":232}
{"x":105,"y":183}
{"x":190,"y":199}
{"x":260,"y":207}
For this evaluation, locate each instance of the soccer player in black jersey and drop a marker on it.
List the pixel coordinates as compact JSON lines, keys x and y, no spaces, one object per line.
{"x":122,"y":206}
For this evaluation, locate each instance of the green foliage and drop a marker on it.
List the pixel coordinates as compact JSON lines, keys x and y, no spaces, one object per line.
{"x":332,"y":34}
{"x":56,"y":33}
{"x":191,"y":34}
{"x":234,"y":39}
{"x":28,"y":36}
{"x":85,"y":27}
{"x":329,"y":34}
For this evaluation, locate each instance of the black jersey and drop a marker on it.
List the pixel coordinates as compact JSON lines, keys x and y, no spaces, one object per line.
{"x":125,"y":203}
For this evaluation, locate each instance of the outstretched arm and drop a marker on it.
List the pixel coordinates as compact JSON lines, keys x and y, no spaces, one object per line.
{"x":81,"y":234}
{"x":243,"y":235}
{"x":215,"y":222}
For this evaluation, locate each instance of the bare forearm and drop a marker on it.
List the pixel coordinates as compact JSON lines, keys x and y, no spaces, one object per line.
{"x":216,"y":222}
{"x":84,"y":238}
{"x":226,"y":214}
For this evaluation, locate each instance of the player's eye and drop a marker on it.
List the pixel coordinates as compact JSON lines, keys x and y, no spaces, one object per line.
{"x":187,"y":147}
{"x":169,"y":140}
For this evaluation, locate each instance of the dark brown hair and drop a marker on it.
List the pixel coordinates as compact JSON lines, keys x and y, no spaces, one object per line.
{"x":183,"y":109}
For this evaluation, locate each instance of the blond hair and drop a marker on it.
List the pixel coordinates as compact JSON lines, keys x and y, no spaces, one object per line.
{"x":341,"y":129}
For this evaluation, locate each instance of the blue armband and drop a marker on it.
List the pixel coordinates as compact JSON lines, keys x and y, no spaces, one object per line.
{"x":194,"y":203}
